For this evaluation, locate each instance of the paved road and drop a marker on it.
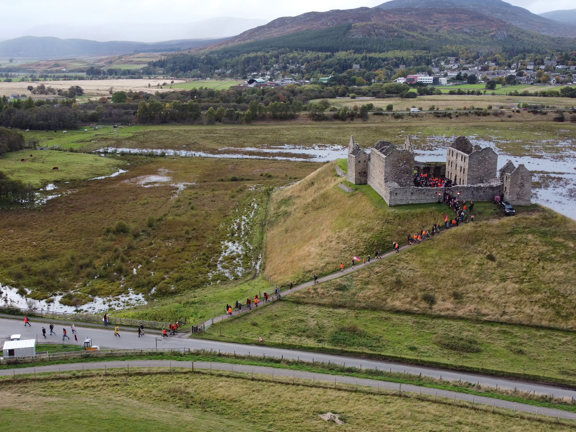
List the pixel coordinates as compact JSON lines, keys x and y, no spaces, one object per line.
{"x":275,"y":372}
{"x":106,"y":339}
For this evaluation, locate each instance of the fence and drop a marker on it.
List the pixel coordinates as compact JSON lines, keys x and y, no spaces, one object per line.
{"x":85,"y":317}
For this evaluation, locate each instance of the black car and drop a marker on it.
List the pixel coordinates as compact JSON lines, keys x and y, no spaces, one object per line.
{"x":506,"y":208}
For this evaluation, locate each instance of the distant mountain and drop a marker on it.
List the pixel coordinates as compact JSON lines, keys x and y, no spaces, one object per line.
{"x":215,"y":28}
{"x":565,"y":16}
{"x":498,"y":9}
{"x":51,"y":47}
{"x":377,"y":29}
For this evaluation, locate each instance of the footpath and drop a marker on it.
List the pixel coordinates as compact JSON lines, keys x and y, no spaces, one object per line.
{"x":287,"y":374}
{"x":329,"y":277}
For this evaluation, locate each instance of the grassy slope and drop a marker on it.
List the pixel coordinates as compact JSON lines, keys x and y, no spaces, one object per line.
{"x":509,"y":348}
{"x":221,"y":403}
{"x":314,"y":226}
{"x":71,"y":166}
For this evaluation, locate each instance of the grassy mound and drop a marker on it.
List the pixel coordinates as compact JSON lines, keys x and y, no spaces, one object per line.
{"x":512,"y":270}
{"x":314,"y":226}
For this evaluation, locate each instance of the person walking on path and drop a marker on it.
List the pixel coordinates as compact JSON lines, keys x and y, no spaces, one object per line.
{"x":471,"y":206}
{"x":139,"y":331}
{"x":52,"y":332}
{"x":341,"y":267}
{"x":315,"y":279}
{"x":230,"y":311}
{"x":116,"y":331}
{"x":75,"y":338}
{"x":256,"y":301}
{"x":291,"y":284}
{"x":44,"y":332}
{"x":64,"y":335}
{"x":73,"y":329}
{"x":164,"y":333}
{"x":266,"y":297}
{"x":27,"y":322}
{"x":141,"y":328}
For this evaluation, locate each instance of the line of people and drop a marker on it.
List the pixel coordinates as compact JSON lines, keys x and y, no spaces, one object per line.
{"x":252,"y":302}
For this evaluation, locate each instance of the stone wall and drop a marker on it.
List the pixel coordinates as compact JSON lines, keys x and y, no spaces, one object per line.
{"x":482,"y":166}
{"x":358,"y":168}
{"x":518,"y":186}
{"x":397,"y":195}
{"x":376,"y":171}
{"x":399,"y":167}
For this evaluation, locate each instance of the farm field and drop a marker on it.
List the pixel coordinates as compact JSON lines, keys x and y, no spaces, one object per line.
{"x":220,"y":402}
{"x":37,"y":166}
{"x":92,"y":88}
{"x":502,"y":90}
{"x":456,"y":102}
{"x":210,"y":84}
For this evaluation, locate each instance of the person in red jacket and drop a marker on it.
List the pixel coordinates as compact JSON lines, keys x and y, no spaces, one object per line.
{"x":27,"y":322}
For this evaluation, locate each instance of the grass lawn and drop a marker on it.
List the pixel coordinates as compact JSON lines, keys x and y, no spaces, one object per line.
{"x":212,"y":403}
{"x":420,"y":338}
{"x":71,"y":166}
{"x":501,"y":90}
{"x":57,"y":348}
{"x":208,"y":84}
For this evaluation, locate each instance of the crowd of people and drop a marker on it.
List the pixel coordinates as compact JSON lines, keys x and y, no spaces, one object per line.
{"x":424,"y":180}
{"x":251,"y":302}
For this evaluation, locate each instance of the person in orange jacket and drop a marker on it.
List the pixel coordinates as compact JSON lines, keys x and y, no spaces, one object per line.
{"x":230,"y":310}
{"x":164,"y":333}
{"x":256,"y":301}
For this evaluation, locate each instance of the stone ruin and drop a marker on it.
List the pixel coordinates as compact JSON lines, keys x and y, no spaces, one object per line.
{"x":472,"y":172}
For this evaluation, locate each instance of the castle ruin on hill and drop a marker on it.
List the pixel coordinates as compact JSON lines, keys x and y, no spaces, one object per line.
{"x":470,"y":172}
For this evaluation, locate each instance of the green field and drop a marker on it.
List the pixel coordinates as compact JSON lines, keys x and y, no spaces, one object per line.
{"x":208,"y":402}
{"x":38,"y":169}
{"x":210,"y":84}
{"x":411,"y":337}
{"x":500,"y":89}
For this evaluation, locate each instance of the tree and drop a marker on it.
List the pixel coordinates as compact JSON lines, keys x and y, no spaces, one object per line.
{"x":220,"y":113}
{"x":360,"y":81}
{"x":210,"y":116}
{"x":545,"y":78}
{"x":511,"y":80}
{"x":472,"y":79}
{"x":491,"y":85}
{"x":119,"y":97}
{"x":248,"y":117}
{"x":389,"y":107}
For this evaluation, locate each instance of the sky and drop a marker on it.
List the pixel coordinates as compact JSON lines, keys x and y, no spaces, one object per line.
{"x":21,"y":15}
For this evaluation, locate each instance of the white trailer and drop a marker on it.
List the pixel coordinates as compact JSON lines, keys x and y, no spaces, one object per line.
{"x":19,"y":348}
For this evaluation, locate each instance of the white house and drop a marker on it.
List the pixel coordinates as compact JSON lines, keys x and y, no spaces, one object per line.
{"x":400,"y":80}
{"x":19,"y":348}
{"x":426,"y":79}
{"x":443,"y":81}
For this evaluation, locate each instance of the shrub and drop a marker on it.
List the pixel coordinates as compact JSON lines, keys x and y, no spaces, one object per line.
{"x":491,"y":257}
{"x":573,"y":118}
{"x":458,"y":343}
{"x":429,"y":298}
{"x":456,"y":295}
{"x":121,"y":227}
{"x":151,"y":222}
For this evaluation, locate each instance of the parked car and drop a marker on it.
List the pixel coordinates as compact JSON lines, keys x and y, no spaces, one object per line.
{"x":506,"y":208}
